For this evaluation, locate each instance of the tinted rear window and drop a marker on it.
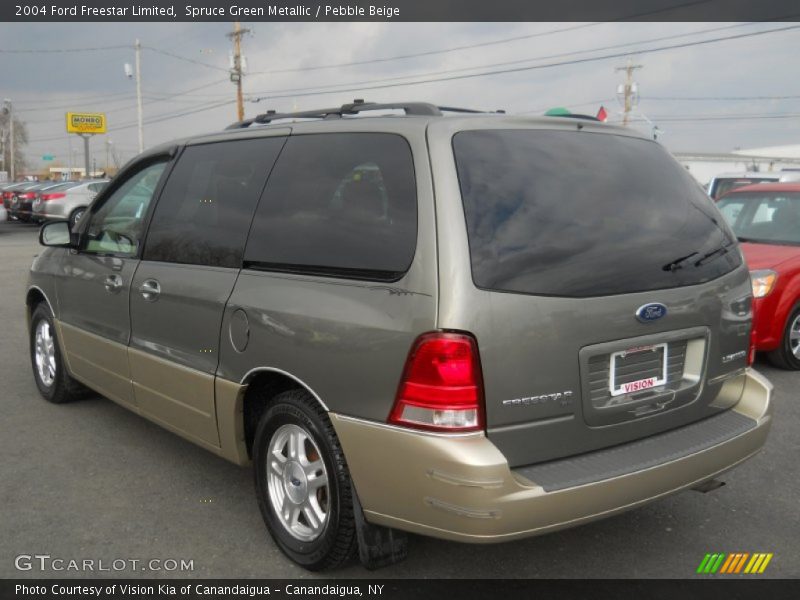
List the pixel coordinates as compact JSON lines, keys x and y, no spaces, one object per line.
{"x":571,"y":213}
{"x":204,"y":212}
{"x":341,"y":204}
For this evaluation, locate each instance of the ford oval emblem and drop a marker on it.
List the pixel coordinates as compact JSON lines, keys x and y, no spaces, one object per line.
{"x":651,"y":312}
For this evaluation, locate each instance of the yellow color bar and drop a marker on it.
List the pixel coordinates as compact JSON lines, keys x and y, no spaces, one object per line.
{"x":753,"y":564}
{"x":764,"y":564}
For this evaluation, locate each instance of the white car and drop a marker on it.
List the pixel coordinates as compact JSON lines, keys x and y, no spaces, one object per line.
{"x":66,"y":201}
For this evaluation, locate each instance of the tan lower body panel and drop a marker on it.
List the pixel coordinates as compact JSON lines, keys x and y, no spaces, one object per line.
{"x":175,"y":396}
{"x":197,"y":406}
{"x":97,"y":362}
{"x":230,"y":421}
{"x":461,"y":488}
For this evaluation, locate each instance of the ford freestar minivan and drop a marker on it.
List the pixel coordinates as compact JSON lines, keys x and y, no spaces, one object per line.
{"x":475,"y":327}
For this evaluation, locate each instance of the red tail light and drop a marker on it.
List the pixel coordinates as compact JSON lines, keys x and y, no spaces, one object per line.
{"x":441,"y":388}
{"x":7,"y":195}
{"x":53,"y":196}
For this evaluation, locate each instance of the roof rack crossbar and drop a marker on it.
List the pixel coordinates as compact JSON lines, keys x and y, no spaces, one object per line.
{"x":457,"y":109}
{"x":353,"y":108}
{"x":423,"y":109}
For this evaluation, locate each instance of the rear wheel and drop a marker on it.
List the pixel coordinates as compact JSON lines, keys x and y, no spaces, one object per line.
{"x":51,"y":376}
{"x":302,"y":482}
{"x":75,"y":216}
{"x":787,"y":355}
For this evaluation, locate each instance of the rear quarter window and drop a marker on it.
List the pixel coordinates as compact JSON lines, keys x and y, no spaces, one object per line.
{"x":339,"y":205}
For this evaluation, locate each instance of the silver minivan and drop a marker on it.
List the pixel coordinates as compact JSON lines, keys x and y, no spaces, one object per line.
{"x":476,"y":327}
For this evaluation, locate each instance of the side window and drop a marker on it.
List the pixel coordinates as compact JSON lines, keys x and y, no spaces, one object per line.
{"x":205,"y":210}
{"x":117,"y":226}
{"x":731,"y":210}
{"x":338,"y":204}
{"x":764,"y":212}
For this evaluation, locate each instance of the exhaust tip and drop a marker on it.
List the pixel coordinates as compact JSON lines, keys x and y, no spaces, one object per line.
{"x":708,"y":486}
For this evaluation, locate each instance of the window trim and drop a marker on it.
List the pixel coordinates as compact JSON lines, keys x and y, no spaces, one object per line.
{"x":169,"y":158}
{"x":355,"y":274}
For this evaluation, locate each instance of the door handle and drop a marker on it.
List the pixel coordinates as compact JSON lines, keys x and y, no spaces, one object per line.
{"x":150,"y":290}
{"x":113,"y":283}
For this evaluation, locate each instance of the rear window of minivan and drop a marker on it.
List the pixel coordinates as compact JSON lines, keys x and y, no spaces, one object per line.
{"x":576,"y":213}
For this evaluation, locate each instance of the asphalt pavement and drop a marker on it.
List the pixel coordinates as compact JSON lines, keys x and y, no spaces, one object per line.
{"x":92,"y":481}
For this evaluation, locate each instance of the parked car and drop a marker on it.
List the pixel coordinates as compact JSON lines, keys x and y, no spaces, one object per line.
{"x":723,"y":183}
{"x":477,"y":328}
{"x":8,"y":194}
{"x":24,"y":199}
{"x":766,"y":219}
{"x":67,"y":201}
{"x":19,"y":195}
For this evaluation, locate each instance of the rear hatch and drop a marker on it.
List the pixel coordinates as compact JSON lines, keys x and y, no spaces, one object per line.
{"x":610,"y":300}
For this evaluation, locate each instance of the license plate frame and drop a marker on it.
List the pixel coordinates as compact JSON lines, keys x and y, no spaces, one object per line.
{"x":639,"y":385}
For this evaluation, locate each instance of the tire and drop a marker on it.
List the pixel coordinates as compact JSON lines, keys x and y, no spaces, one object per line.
{"x":787,"y":355}
{"x":294,"y":446}
{"x":75,"y":216}
{"x":54,"y":383}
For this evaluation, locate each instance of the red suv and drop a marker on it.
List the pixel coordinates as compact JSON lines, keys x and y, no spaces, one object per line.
{"x":766,"y":219}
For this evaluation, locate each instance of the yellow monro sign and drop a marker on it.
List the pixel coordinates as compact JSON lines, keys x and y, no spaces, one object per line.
{"x":86,"y":122}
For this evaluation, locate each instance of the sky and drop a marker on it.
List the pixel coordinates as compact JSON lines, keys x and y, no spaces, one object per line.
{"x":713,"y":97}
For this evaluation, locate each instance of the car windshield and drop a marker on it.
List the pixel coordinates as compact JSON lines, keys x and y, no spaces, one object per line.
{"x":723,"y":185}
{"x":765,"y":217}
{"x":571,"y":213}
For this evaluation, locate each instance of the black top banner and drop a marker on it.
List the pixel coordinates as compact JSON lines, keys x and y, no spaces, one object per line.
{"x":398,"y":10}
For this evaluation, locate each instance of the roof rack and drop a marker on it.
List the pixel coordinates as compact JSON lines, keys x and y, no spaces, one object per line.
{"x":357,"y":106}
{"x":576,"y":116}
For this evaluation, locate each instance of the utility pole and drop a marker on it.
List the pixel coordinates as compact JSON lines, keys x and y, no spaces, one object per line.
{"x":236,"y":67}
{"x":9,"y":109}
{"x":86,"y":137}
{"x":69,"y":157}
{"x":138,"y":47}
{"x":628,"y":90}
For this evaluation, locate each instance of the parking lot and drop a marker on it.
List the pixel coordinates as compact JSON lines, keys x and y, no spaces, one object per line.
{"x":91,"y":480}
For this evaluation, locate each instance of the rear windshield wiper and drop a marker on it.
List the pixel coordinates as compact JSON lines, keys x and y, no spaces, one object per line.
{"x":708,"y":256}
{"x":678,"y":262}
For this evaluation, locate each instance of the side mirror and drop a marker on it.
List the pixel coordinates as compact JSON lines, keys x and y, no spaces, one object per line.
{"x":58,"y":234}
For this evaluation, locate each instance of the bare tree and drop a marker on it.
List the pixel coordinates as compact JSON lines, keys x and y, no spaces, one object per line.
{"x":20,"y":142}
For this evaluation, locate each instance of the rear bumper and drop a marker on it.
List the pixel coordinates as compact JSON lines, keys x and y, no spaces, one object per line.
{"x":461,"y":487}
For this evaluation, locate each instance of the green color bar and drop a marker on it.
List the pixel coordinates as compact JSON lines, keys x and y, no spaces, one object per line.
{"x":718,"y":564}
{"x":701,"y":568}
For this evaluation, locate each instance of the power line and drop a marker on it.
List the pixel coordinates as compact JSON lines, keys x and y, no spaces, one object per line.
{"x":184,"y":58}
{"x":728,"y":98}
{"x":734,"y":117}
{"x":128,"y":97}
{"x":514,"y":62}
{"x":316,"y":92}
{"x":426,"y":53}
{"x":63,"y":50}
{"x":478,"y":44}
{"x":37,"y":102}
